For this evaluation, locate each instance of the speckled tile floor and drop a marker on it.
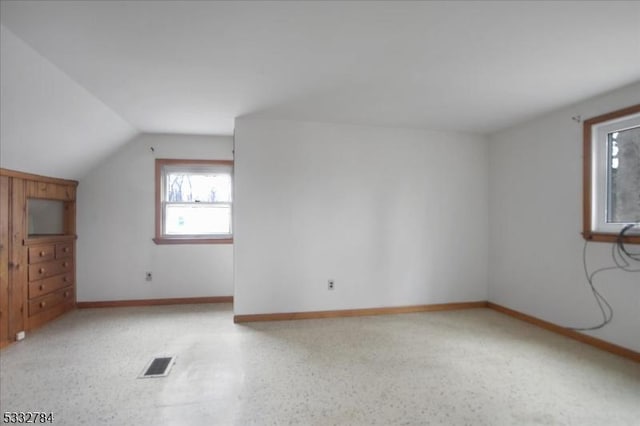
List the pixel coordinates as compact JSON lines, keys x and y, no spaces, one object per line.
{"x":472,"y":367}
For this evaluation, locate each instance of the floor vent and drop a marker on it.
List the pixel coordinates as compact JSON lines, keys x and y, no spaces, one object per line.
{"x":158,"y":367}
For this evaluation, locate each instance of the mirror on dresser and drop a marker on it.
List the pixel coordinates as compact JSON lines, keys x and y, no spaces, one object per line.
{"x":45,"y":217}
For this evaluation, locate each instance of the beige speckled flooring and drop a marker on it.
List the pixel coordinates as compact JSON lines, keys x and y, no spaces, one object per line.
{"x":472,"y":367}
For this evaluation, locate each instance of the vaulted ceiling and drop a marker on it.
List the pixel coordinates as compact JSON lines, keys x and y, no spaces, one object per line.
{"x":192,"y":67}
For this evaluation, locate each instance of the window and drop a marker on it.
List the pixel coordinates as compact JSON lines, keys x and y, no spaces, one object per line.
{"x":194,"y":201}
{"x":612,"y":174}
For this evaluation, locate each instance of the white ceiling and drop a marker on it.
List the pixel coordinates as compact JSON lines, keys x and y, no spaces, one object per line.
{"x":192,"y":67}
{"x":50,"y":125}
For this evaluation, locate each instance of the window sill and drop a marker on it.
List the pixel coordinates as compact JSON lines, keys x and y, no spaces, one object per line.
{"x":173,"y":240}
{"x":610,"y":238}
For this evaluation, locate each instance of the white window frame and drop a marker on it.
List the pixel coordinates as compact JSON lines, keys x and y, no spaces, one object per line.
{"x":163,"y":166}
{"x":596,"y":131}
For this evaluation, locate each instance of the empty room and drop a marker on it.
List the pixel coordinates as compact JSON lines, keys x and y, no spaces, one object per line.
{"x":320,"y":212}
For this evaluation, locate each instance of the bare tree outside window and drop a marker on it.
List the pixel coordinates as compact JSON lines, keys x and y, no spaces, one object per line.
{"x":197,"y":203}
{"x":194,"y":201}
{"x":623,"y":202}
{"x":611,"y":175}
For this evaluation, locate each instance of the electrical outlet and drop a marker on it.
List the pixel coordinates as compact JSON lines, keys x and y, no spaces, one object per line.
{"x":330,"y":284}
{"x":148,"y":276}
{"x":20,"y":335}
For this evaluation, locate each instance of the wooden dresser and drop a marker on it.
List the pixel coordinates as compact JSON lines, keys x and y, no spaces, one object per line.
{"x":37,"y":251}
{"x":51,"y":278}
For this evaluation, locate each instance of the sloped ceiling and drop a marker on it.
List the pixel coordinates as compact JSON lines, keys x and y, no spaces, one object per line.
{"x":50,"y":125}
{"x":193,"y":67}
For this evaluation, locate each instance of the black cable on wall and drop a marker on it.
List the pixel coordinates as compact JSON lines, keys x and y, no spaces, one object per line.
{"x":624,"y":260}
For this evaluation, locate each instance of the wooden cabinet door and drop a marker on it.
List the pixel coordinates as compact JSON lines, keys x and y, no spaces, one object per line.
{"x":4,"y":261}
{"x":18,"y":264}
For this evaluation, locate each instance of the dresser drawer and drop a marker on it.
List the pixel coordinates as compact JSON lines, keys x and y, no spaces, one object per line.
{"x":64,"y":250}
{"x":47,"y":285}
{"x":42,"y":253}
{"x":50,"y":300}
{"x":47,"y":269}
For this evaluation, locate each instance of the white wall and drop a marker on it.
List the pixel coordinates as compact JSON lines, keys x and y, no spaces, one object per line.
{"x":536,"y":220}
{"x":50,"y":125}
{"x":116,"y":213}
{"x":395,"y":216}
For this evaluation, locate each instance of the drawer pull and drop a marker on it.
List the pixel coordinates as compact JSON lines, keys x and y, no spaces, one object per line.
{"x":43,"y":304}
{"x":66,"y":249}
{"x":41,"y":271}
{"x":42,"y":253}
{"x":65,"y":264}
{"x":66,"y":294}
{"x":41,"y":287}
{"x":65,"y":279}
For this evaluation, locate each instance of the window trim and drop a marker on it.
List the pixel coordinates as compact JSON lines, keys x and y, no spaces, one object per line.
{"x":166,"y":239}
{"x":588,"y":171}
